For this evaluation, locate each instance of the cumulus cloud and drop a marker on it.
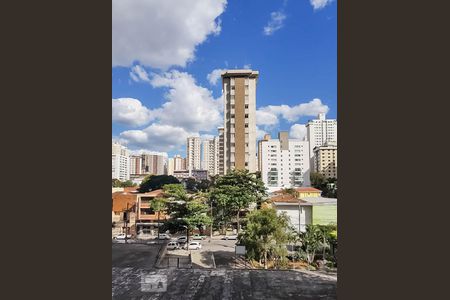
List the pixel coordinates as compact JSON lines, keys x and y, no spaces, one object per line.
{"x":276,"y":22}
{"x":298,"y":131}
{"x":268,"y":114}
{"x":138,"y":74}
{"x":260,"y":133}
{"x":161,"y":34}
{"x":131,"y":112}
{"x":214,"y":76}
{"x":188,"y":105}
{"x":319,"y":4}
{"x":156,"y":137}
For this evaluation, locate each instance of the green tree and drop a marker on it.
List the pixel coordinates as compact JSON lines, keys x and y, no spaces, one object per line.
{"x":127,"y":183}
{"x":236,"y":191}
{"x":116,"y":182}
{"x":158,"y":205}
{"x":191,"y":184}
{"x":156,"y":182}
{"x":266,"y":234}
{"x":317,"y":180}
{"x":312,"y":240}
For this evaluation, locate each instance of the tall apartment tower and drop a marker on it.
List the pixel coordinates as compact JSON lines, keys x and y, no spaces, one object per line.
{"x":319,"y":132}
{"x":210,"y":156}
{"x":284,"y":162}
{"x":136,"y":165}
{"x":325,"y":160}
{"x":239,"y":92}
{"x":120,"y":162}
{"x":153,"y":164}
{"x":193,"y":153}
{"x":221,"y":170}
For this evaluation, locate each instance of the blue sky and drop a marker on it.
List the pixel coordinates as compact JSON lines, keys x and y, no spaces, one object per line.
{"x":160,"y":87}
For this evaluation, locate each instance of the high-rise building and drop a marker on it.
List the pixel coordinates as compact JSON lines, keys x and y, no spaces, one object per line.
{"x":221,"y":170}
{"x":210,"y":156}
{"x":284,"y":162}
{"x":325,"y":160}
{"x":265,"y":138}
{"x":320,"y":131}
{"x":154,"y":164}
{"x":239,"y":95}
{"x":170,"y":165}
{"x":179,"y":163}
{"x":136,"y":165}
{"x":120,"y":162}
{"x":193,"y":153}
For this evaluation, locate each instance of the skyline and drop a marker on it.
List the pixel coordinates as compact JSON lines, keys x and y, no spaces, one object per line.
{"x":291,"y":44}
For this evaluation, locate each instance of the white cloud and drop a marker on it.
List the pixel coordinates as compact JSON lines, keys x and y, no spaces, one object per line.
{"x":145,"y":151}
{"x":130,"y":112}
{"x":319,"y":4}
{"x":268,"y":113}
{"x":188,"y":105}
{"x":214,"y":76}
{"x":275,"y":23}
{"x":156,"y":137}
{"x":298,"y":131}
{"x":260,"y":133}
{"x":247,"y":66}
{"x":161,"y":34}
{"x":138,"y":73}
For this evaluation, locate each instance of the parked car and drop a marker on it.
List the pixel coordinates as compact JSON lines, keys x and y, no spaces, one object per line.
{"x":194,"y":246}
{"x":164,"y":236}
{"x":121,"y":236}
{"x":198,"y":237}
{"x":230,"y":237}
{"x":173,"y":246}
{"x":182,"y":239}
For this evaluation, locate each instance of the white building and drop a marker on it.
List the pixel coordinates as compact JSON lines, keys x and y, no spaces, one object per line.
{"x":325,"y":160}
{"x":120,"y":162}
{"x":284,"y":162}
{"x":193,"y":159}
{"x":136,"y":164}
{"x":320,"y":131}
{"x":239,"y":98}
{"x":210,"y":156}
{"x":170,"y":166}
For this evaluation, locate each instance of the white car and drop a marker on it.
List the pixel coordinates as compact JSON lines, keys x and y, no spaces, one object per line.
{"x":121,"y":236}
{"x":173,"y":246}
{"x":164,"y":236}
{"x":230,"y":237}
{"x":194,"y":246}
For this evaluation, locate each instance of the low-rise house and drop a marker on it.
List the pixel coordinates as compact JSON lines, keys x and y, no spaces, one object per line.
{"x":146,"y":216}
{"x":123,"y":208}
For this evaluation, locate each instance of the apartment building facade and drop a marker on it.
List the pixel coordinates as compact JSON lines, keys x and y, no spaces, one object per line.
{"x":319,"y":132}
{"x":325,"y":160}
{"x":193,"y":158}
{"x":153,"y":164}
{"x":210,"y":156}
{"x":120,"y":162}
{"x":284,"y":162}
{"x":239,"y":95}
{"x":136,"y":165}
{"x":221,"y":168}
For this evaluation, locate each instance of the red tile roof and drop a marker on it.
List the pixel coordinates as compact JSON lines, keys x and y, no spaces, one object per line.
{"x":308,"y":189}
{"x":286,"y":198}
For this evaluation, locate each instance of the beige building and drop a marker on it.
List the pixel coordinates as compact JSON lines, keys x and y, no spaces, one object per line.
{"x":193,"y":159}
{"x":136,"y":165}
{"x":325,"y":160}
{"x":176,"y":163}
{"x":239,"y":95}
{"x":153,"y":164}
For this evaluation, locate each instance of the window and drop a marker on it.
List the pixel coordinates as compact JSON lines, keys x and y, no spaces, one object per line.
{"x":246,"y":125}
{"x":246,"y":115}
{"x":246,"y":105}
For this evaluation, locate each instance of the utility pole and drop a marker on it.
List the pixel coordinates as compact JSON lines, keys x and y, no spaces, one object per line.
{"x":212,"y":221}
{"x":126,"y":225}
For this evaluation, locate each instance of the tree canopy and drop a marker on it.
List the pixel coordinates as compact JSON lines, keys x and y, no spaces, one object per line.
{"x":154,"y":182}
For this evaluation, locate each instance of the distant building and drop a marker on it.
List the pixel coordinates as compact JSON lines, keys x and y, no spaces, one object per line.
{"x":136,"y":165}
{"x":210,"y":156}
{"x":221,"y":168}
{"x":325,"y":160}
{"x":193,"y":153}
{"x":284,"y":162}
{"x":239,"y":97}
{"x":153,"y":164}
{"x":120,"y":162}
{"x":176,"y":163}
{"x":320,"y":131}
{"x":196,"y":174}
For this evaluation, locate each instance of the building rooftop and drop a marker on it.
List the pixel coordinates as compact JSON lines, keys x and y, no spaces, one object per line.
{"x":287,"y":198}
{"x":237,"y":72}
{"x":320,"y":200}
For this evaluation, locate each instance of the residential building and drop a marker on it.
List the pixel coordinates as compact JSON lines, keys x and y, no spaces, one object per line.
{"x":265,"y":138}
{"x":221,"y":158}
{"x":210,"y":156}
{"x":120,"y":162}
{"x":146,"y":217}
{"x":196,"y":174}
{"x":170,"y":165}
{"x":136,"y":165}
{"x":193,"y":153}
{"x":325,"y":160}
{"x":303,"y":211}
{"x":154,"y":164}
{"x":320,"y":131}
{"x":239,"y":97}
{"x":179,"y":163}
{"x":123,"y":207}
{"x":284,"y":162}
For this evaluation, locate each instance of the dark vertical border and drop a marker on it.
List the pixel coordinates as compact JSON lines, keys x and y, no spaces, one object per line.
{"x":392,"y":106}
{"x":56,"y":114}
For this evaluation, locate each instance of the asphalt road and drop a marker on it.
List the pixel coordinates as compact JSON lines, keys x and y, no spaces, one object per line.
{"x":140,"y":256}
